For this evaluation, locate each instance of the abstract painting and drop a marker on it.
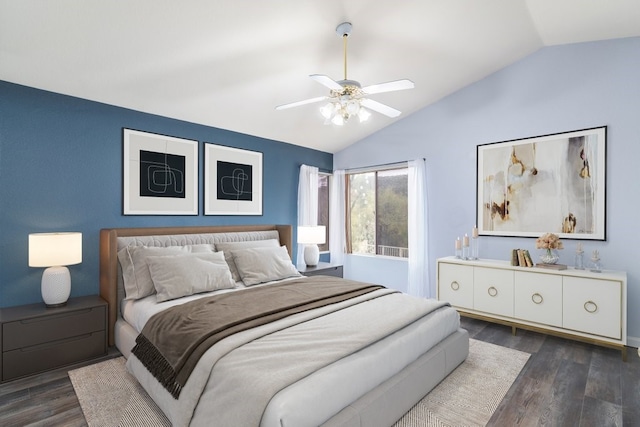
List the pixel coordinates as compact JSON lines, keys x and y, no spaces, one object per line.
{"x":160,"y":174}
{"x":552,"y":183}
{"x":233,"y":181}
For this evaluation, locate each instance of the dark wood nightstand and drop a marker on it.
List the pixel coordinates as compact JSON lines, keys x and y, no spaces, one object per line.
{"x":323,"y":268}
{"x":34,"y":338}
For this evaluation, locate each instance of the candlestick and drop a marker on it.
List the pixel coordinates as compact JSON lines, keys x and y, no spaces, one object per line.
{"x":465,"y":247}
{"x":474,"y":247}
{"x":595,"y":258}
{"x":458,"y":248}
{"x":579,"y":264}
{"x":474,"y":232}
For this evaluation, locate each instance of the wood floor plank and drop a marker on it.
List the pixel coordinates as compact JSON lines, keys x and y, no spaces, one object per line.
{"x":566,"y":397}
{"x":630,"y":377}
{"x":530,"y":342}
{"x":522,"y":404}
{"x":604,"y":381}
{"x":10,"y":398}
{"x":598,"y":413}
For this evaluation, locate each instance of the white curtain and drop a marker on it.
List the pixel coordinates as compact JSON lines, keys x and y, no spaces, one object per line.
{"x":417,"y":204}
{"x":307,"y":201}
{"x":337,"y":237}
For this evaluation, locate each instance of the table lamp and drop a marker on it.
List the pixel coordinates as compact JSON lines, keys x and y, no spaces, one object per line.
{"x":311,"y":236}
{"x":55,"y":251}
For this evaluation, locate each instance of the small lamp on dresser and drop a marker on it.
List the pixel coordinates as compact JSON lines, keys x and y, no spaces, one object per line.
{"x":55,"y":251}
{"x":311,"y":237}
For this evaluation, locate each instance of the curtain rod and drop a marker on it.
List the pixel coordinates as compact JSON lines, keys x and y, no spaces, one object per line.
{"x":384,"y":166}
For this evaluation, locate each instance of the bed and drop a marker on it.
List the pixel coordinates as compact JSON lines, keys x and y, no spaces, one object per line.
{"x":361,"y":361}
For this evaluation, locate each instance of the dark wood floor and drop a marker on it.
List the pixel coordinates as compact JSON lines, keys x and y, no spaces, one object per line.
{"x":564,"y":383}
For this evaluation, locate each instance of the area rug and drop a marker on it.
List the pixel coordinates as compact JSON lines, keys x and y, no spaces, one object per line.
{"x":469,"y":395}
{"x":110,"y":396}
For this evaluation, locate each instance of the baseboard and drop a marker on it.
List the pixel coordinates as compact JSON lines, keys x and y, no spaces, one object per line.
{"x":633,"y":342}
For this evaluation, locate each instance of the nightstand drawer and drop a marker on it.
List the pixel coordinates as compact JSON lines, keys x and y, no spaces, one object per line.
{"x":52,"y":327}
{"x":37,"y":358}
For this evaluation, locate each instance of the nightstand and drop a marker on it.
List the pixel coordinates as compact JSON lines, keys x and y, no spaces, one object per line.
{"x":34,"y":338}
{"x":323,"y":268}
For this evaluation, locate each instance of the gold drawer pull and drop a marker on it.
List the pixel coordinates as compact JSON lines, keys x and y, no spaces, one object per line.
{"x":591,"y":304}
{"x":492,"y":291}
{"x":455,"y":285}
{"x":537,"y":298}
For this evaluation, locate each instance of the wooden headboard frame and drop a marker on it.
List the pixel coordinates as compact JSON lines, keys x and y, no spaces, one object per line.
{"x":109,"y":254}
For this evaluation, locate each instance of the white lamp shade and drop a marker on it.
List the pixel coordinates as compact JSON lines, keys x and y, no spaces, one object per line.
{"x":316,"y":234}
{"x":55,"y":249}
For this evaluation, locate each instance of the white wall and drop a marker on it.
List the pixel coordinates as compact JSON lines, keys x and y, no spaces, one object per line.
{"x":387,"y":271}
{"x":556,"y":89}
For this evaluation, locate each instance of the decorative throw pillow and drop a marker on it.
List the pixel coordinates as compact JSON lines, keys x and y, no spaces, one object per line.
{"x":135,"y":271}
{"x":181,"y":275}
{"x":260,"y":265}
{"x":227,"y":247}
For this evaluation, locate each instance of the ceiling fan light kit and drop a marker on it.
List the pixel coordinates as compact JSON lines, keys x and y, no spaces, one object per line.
{"x":347,"y":98}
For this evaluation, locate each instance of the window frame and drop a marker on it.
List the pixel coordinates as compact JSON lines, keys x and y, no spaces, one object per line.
{"x":375,"y":170}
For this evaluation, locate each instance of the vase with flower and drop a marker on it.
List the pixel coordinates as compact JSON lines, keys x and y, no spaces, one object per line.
{"x":550,"y":243}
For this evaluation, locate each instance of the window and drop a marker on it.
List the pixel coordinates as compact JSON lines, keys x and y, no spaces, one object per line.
{"x":377,"y":212}
{"x":323,"y":206}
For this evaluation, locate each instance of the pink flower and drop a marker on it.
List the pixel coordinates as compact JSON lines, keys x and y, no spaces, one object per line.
{"x":549,"y":241}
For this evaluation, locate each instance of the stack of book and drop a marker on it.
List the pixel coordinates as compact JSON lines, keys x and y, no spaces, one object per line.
{"x":521,"y":257}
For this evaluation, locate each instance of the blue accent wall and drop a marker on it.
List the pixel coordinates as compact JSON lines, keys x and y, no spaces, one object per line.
{"x":61,"y":170}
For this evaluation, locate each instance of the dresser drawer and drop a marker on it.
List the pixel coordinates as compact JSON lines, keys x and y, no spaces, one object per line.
{"x":455,"y":284}
{"x":38,"y":358}
{"x":538,"y":298}
{"x":493,"y":291}
{"x":592,"y":306}
{"x":52,"y":327}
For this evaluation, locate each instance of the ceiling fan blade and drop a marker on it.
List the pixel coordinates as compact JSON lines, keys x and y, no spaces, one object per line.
{"x":327,"y":81}
{"x":388,"y":86}
{"x":297,"y":104}
{"x":380,"y":108}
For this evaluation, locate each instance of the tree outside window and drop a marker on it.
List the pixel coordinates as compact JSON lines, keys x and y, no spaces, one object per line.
{"x":323,"y":207}
{"x":378,"y":212}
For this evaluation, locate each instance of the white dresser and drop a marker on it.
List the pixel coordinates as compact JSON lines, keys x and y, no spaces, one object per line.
{"x":577,"y":304}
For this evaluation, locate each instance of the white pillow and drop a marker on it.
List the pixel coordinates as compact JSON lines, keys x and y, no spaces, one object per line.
{"x":187,"y":274}
{"x":227,"y":247}
{"x":259,"y":265}
{"x":135,"y":272}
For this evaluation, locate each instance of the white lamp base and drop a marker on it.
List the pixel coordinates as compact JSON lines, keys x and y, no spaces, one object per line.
{"x":311,"y":255}
{"x":56,"y":286}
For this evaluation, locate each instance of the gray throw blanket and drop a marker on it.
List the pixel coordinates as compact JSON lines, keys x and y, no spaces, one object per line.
{"x":173,"y":341}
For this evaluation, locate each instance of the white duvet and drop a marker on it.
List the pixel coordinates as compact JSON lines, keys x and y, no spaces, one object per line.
{"x":305,"y":368}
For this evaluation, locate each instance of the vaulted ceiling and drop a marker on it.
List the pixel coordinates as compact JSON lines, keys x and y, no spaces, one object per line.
{"x":228,"y":63}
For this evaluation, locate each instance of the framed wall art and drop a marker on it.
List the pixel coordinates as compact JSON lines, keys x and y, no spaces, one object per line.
{"x":160,"y":174}
{"x":552,"y":183}
{"x":232,"y":180}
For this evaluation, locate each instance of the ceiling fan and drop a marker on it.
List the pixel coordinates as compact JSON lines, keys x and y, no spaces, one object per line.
{"x":347,"y":98}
